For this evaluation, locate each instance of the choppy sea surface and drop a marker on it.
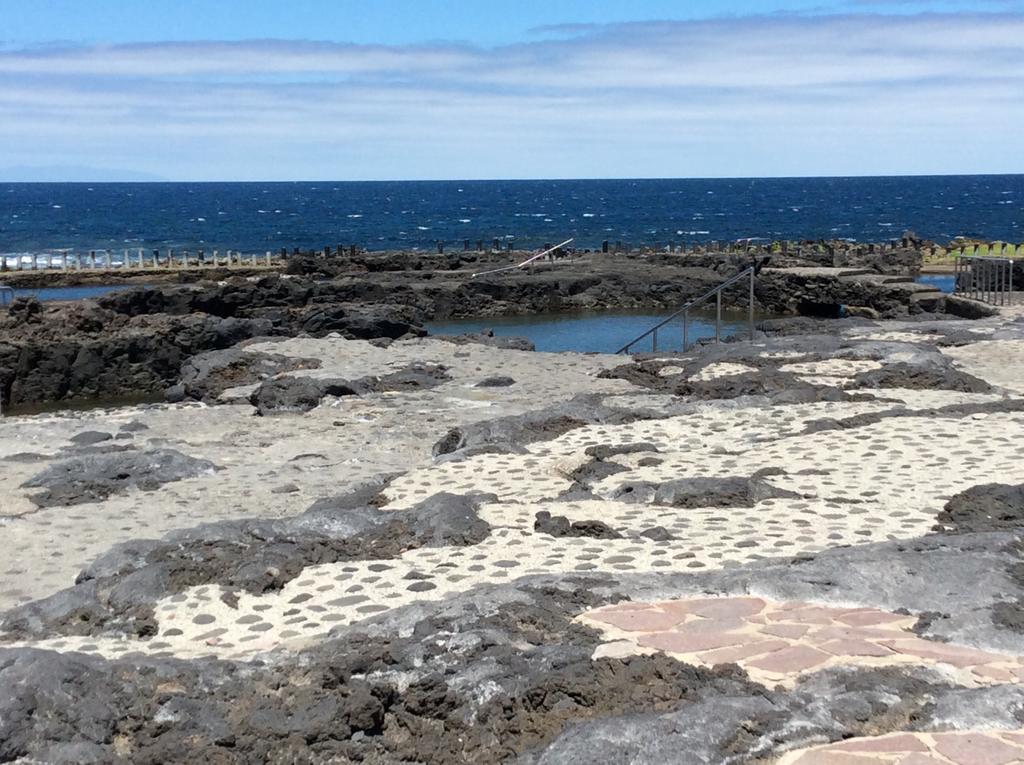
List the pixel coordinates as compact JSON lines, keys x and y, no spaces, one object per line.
{"x":256,"y":217}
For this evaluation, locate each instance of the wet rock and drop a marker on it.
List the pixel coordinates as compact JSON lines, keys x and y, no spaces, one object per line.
{"x":604,"y":451}
{"x":117,"y":592}
{"x":344,"y":699}
{"x":93,"y":478}
{"x":511,"y":434}
{"x":205,"y":376}
{"x":363,"y":322}
{"x":903,"y":375}
{"x":90,"y":437}
{"x":779,"y":387}
{"x":1009,"y":615}
{"x":657,"y":534}
{"x":287,"y":395}
{"x":65,"y":358}
{"x":990,"y":507}
{"x":701,"y":492}
{"x":413,"y":377}
{"x":968,"y":309}
{"x":559,"y":526}
{"x":25,"y":310}
{"x":496,"y":382}
{"x":503,"y":674}
{"x":488,"y":338}
{"x":596,"y":470}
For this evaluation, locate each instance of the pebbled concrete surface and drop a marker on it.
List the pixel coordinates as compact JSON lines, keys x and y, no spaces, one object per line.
{"x":761,"y":551}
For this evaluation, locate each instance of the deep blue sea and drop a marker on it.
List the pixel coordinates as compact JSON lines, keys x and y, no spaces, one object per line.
{"x":255,"y":217}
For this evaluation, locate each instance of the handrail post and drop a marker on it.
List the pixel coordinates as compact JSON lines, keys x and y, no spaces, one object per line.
{"x":654,"y":341}
{"x":1002,"y":283}
{"x":686,"y":329}
{"x":718,"y":316}
{"x":750,"y":314}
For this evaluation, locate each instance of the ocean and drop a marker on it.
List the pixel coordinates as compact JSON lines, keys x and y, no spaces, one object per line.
{"x":255,"y":217}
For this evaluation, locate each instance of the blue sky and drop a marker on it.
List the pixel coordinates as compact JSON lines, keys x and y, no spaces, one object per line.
{"x":314,"y":89}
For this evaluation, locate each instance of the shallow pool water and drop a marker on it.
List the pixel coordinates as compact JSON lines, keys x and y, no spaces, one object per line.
{"x":944,"y":282}
{"x":596,"y":332}
{"x":73,"y":293}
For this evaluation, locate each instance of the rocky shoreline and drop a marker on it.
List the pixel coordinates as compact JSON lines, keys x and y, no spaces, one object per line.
{"x":341,"y":540}
{"x":134,"y":343}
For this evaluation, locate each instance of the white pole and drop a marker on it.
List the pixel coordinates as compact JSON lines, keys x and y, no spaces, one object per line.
{"x":526,"y":262}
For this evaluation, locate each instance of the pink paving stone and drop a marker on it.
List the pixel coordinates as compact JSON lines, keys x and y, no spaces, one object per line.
{"x":711,"y":625}
{"x":717,"y":608}
{"x":839,"y":632}
{"x":811,"y":615}
{"x":958,"y":656}
{"x":921,"y":759}
{"x":855,"y":648}
{"x":831,"y":757}
{"x":626,"y":605}
{"x":994,"y":673}
{"x":1014,"y":738}
{"x":677,"y":642}
{"x":740,"y":652}
{"x":645,"y":620}
{"x":902,"y":742}
{"x":786,"y":630}
{"x":793,"y":659}
{"x":976,"y":749}
{"x":790,"y":605}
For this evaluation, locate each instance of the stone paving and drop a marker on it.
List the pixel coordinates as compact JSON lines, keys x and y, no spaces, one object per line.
{"x":270,"y":467}
{"x":777,"y":643}
{"x":952,"y":748}
{"x":800,"y":478}
{"x":887,"y":481}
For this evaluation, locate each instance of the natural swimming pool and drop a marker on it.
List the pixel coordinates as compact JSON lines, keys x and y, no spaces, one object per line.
{"x":602,"y":332}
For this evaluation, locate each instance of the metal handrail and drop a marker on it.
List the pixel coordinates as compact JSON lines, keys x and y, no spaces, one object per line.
{"x":991,"y":283}
{"x":6,"y":295}
{"x":715,"y":292}
{"x":528,"y":261}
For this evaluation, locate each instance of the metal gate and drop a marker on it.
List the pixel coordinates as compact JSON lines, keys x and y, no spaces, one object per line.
{"x":988,"y":280}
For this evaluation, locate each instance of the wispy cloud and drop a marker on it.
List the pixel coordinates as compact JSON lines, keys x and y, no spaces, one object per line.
{"x":746,"y":96}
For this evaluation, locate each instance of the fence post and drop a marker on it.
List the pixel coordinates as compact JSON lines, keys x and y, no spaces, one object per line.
{"x":718,"y":316}
{"x":750,"y":316}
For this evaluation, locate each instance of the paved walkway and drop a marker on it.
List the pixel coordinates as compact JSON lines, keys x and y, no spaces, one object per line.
{"x":777,"y":643}
{"x":954,"y":748}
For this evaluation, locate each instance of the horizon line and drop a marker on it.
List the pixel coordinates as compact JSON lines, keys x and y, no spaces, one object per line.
{"x":533,"y":180}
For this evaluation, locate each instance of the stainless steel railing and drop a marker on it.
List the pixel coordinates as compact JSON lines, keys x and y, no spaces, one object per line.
{"x":985,"y":279}
{"x":715,"y":292}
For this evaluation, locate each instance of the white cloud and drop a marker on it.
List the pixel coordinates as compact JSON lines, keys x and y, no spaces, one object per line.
{"x":778,"y":95}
